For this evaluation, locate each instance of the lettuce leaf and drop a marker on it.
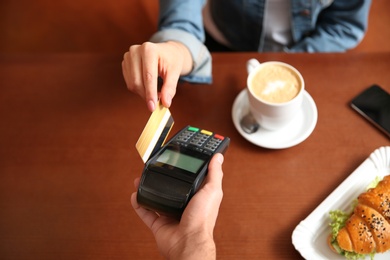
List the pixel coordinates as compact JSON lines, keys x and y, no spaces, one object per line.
{"x":374,"y":183}
{"x":338,"y":219}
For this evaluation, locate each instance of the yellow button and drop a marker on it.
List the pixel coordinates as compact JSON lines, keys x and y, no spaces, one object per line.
{"x":206,"y":132}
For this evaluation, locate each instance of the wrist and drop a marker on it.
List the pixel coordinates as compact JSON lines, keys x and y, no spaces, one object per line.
{"x":187,"y":57}
{"x":196,"y":246}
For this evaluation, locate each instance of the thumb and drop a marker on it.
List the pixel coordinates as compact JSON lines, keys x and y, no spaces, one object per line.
{"x":215,"y":174}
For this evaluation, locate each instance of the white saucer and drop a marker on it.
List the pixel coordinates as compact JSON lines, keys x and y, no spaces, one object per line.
{"x":290,"y":135}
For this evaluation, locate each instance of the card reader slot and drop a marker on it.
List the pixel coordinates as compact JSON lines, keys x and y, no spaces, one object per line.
{"x":150,"y":198}
{"x":166,"y":187}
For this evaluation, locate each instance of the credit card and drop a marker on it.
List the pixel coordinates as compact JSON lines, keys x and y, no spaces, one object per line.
{"x":155,"y":132}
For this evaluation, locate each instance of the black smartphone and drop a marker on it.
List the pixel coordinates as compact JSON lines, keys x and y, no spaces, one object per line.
{"x":374,"y":104}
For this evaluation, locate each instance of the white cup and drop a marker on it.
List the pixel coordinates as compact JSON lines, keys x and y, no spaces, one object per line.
{"x":275,"y":92}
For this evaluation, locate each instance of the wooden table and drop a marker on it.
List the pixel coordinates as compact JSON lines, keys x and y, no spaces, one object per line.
{"x":67,"y":154}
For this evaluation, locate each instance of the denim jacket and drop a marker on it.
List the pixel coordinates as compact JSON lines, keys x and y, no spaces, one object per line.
{"x":317,"y":26}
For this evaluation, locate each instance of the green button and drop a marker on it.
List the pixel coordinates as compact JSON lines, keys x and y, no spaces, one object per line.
{"x":193,"y":129}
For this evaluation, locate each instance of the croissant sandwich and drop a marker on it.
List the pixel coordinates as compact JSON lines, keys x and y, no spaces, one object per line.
{"x":367,"y":229}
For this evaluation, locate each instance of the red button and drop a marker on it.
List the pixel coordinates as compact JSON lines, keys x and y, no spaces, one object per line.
{"x":219,"y":136}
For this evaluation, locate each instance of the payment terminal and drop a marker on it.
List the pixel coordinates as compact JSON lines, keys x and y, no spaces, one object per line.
{"x":175,"y":172}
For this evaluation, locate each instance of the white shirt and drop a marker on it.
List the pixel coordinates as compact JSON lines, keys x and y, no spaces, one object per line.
{"x":276,"y":25}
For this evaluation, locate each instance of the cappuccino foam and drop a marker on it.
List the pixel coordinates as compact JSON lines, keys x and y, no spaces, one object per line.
{"x":275,"y":84}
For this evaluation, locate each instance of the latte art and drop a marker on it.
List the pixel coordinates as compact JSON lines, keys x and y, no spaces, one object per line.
{"x":275,"y":84}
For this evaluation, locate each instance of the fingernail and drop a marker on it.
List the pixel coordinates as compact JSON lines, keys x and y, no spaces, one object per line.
{"x":151,"y":105}
{"x":169,"y":100}
{"x":220,"y":158}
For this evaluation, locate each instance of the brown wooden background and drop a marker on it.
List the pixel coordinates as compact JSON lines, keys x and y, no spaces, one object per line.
{"x":68,"y":129}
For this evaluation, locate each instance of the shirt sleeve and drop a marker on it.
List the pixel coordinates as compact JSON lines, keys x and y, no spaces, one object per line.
{"x":181,"y":21}
{"x":339,"y":27}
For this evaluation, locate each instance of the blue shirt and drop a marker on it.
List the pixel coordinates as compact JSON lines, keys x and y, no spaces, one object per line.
{"x":317,"y":26}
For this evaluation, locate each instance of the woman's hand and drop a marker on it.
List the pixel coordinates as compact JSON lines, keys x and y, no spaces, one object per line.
{"x":143,"y":64}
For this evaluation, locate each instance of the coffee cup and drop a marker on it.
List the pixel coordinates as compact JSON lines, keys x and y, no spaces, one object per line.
{"x":275,"y":93}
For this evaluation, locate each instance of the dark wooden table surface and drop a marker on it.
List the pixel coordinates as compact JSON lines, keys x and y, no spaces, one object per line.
{"x":67,"y":154}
